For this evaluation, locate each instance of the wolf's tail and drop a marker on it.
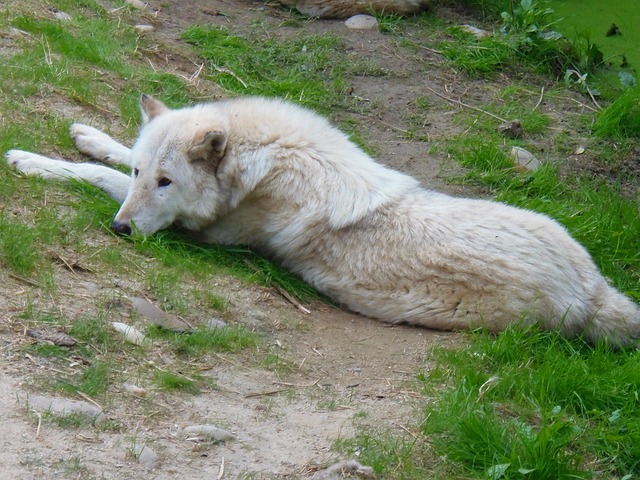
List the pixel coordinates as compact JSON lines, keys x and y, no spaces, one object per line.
{"x":616,"y":319}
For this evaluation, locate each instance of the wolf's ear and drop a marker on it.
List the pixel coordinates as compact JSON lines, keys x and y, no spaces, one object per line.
{"x":210,"y":146}
{"x":151,"y":108}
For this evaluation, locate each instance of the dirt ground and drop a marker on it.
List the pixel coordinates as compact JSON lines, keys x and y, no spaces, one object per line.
{"x":346,"y":368}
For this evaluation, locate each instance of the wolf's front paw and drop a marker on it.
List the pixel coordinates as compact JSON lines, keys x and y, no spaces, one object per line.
{"x":28,"y":163}
{"x":98,"y":145}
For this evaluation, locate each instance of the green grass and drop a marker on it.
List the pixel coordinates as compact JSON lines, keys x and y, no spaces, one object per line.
{"x":556,"y":409}
{"x":536,"y":405}
{"x":620,"y":119}
{"x":94,"y":381}
{"x":308,"y":69}
{"x":172,"y":382}
{"x":204,"y":340}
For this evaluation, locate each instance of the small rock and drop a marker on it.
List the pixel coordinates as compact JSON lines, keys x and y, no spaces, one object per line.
{"x":215,"y":323}
{"x":56,"y":338}
{"x":524,"y":161}
{"x":144,"y":28}
{"x":579,"y":151}
{"x":137,"y":4}
{"x":62,"y":406}
{"x":149,"y":311}
{"x":146,"y":456}
{"x":131,"y":334}
{"x":65,"y":17}
{"x":361,"y":22}
{"x":511,"y":129}
{"x":211,"y":432}
{"x":345,"y":469}
{"x":475,"y":31}
{"x":134,"y":390}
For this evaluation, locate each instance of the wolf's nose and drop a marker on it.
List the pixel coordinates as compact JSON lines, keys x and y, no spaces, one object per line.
{"x":121,"y":228}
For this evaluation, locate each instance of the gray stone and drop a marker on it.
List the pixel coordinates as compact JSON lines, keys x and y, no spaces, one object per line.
{"x":63,"y":406}
{"x":211,"y":432}
{"x":361,"y":22}
{"x":146,"y":456}
{"x":152,"y":313}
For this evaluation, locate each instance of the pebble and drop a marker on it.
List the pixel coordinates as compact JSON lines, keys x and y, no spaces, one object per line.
{"x":134,"y":390}
{"x":137,"y":4}
{"x":130,"y":334}
{"x":152,"y":313}
{"x":361,"y":22}
{"x":146,"y":456}
{"x":211,"y":432}
{"x":65,"y":17}
{"x":345,"y":469}
{"x":475,"y":31}
{"x":511,"y":129}
{"x":524,"y":160}
{"x":215,"y":323}
{"x":63,"y":406}
{"x":144,"y":28}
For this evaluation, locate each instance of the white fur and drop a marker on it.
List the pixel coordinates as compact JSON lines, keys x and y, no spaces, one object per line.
{"x":282,"y":180}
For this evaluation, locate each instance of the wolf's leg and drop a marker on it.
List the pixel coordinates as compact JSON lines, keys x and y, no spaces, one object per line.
{"x":99,"y":145}
{"x":115,"y":183}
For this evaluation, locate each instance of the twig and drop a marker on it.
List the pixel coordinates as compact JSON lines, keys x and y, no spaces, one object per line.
{"x":462,"y":104}
{"x":393,"y":127}
{"x":280,"y":290}
{"x":264,"y":394}
{"x":24,"y":280}
{"x":592,"y":97}
{"x":196,"y":74}
{"x":229,"y":72}
{"x":297,"y":385}
{"x":582,"y":104}
{"x":295,"y":303}
{"x":539,"y":100}
{"x":221,"y":472}
{"x":89,"y":399}
{"x":39,"y":425}
{"x":408,"y":431}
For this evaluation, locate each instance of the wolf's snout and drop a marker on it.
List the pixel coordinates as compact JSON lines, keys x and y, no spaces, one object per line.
{"x":121,"y":228}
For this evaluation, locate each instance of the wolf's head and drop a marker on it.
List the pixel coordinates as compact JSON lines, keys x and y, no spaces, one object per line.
{"x":174,"y":164}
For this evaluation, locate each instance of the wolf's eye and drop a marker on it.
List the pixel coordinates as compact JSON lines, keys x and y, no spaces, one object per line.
{"x":164,"y":182}
{"x":135,"y":172}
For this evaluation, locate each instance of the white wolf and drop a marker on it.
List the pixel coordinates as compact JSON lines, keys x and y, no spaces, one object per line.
{"x":279,"y":178}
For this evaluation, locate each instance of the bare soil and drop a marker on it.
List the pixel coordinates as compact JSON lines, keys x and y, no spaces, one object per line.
{"x":341,"y":368}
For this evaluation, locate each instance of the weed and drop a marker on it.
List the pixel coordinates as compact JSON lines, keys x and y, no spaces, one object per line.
{"x":18,"y":247}
{"x":276,"y":363}
{"x":389,"y":22}
{"x":211,"y":300}
{"x":94,"y":381}
{"x":203,"y":340}
{"x":621,"y":119}
{"x":171,"y":381}
{"x":72,"y":421}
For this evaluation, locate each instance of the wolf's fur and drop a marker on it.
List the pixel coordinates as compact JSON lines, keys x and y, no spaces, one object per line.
{"x":280,"y":179}
{"x":347,"y":8}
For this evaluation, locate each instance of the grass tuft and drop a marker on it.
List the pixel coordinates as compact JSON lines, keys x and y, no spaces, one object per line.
{"x":203,"y":340}
{"x":621,"y":119}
